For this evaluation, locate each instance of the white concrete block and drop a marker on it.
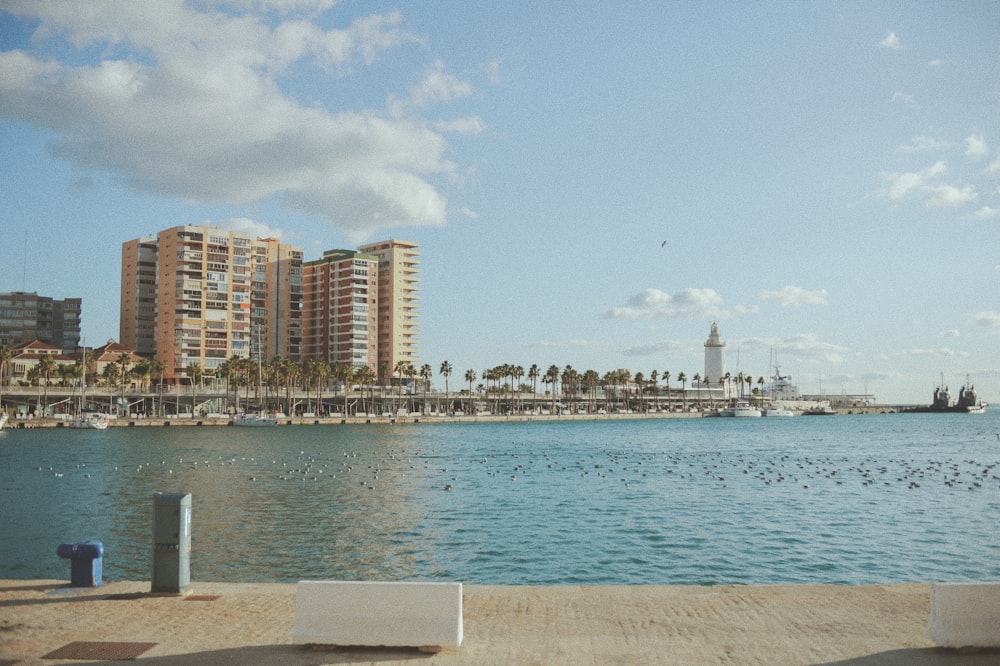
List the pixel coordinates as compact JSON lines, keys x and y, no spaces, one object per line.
{"x":378,"y":613}
{"x":965,"y":614}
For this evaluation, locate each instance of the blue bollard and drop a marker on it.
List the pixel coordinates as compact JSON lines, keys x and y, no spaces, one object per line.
{"x":86,"y":562}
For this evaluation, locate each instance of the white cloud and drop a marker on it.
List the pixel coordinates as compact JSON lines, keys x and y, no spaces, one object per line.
{"x":988,"y":213}
{"x":975,"y":146}
{"x":188,"y":101}
{"x":950,"y":195}
{"x":941,"y":352}
{"x":805,"y":347}
{"x":936,"y":62}
{"x":952,"y":333}
{"x":899,"y":184}
{"x":994,"y":166}
{"x":809,"y":347}
{"x":563,"y":344}
{"x":469,"y":126}
{"x":795,"y":296}
{"x":891,"y":41}
{"x":921,"y":185}
{"x":247,"y":226}
{"x":988,"y":318}
{"x":921,"y":143}
{"x":664,"y":347}
{"x":905,"y":98}
{"x":652,"y":303}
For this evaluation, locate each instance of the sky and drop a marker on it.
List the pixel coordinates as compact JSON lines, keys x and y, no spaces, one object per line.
{"x":592,"y":184}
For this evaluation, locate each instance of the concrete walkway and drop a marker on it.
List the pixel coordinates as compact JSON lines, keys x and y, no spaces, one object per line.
{"x":225,"y":623}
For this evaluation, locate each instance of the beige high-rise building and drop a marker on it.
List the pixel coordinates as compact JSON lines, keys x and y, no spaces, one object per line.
{"x":398,"y":304}
{"x":339,"y":317}
{"x":137,"y":312}
{"x":217,"y":294}
{"x":276,"y":298}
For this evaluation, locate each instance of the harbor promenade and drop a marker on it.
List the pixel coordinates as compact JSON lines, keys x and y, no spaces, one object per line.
{"x":199,"y":421}
{"x":47,"y":622}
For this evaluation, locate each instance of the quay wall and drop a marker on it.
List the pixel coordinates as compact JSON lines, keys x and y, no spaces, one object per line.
{"x":187,"y":422}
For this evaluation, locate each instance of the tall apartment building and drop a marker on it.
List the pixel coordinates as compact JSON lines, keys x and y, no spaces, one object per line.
{"x":398,"y":304}
{"x":216,"y":294}
{"x":339,"y":320}
{"x":276,"y":299}
{"x":137,"y":310}
{"x":25,"y":317}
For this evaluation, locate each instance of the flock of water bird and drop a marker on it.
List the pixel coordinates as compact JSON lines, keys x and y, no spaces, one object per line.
{"x":519,"y":464}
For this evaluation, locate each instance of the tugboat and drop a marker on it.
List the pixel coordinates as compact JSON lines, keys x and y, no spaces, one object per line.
{"x":968,"y":401}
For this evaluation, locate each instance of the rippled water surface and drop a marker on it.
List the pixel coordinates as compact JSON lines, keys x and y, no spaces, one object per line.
{"x":847,"y":499}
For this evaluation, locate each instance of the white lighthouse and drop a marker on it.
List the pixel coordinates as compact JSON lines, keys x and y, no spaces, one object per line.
{"x":715,"y":358}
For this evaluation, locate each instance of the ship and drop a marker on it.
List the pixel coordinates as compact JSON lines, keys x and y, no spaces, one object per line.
{"x":968,"y":401}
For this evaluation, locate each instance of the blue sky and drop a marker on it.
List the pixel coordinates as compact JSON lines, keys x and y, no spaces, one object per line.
{"x":826,"y":176}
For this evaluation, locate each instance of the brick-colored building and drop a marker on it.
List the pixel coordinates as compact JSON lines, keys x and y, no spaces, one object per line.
{"x":215,"y":294}
{"x":339,"y":319}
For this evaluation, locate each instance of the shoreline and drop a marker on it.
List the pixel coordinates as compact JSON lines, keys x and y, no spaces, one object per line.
{"x":210,"y":421}
{"x":233,"y":623}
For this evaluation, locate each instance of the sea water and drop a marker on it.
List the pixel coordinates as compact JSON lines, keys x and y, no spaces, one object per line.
{"x":849,"y":499}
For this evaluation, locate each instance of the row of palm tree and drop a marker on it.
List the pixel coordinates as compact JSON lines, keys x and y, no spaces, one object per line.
{"x":280,"y":380}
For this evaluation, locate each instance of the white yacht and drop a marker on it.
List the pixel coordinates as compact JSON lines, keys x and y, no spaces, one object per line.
{"x":777,"y":410}
{"x":89,"y":421}
{"x":255,"y":420}
{"x":740,"y":409}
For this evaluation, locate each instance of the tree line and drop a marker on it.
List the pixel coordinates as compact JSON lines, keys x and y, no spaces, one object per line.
{"x":280,"y":379}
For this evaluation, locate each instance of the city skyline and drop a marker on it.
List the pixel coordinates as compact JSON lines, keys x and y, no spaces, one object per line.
{"x":590,"y":186}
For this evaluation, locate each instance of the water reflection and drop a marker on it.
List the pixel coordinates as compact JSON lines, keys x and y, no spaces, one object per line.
{"x":686,"y":501}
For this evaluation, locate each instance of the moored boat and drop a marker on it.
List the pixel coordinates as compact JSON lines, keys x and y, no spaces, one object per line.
{"x":740,"y":409}
{"x":255,"y":419}
{"x":968,"y":401}
{"x":777,"y":410}
{"x":89,"y":421}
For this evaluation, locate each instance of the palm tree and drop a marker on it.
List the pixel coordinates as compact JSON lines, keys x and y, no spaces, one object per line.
{"x":446,"y":371}
{"x":591,"y":380}
{"x":470,"y":376}
{"x":682,"y":378}
{"x":124,"y":361}
{"x":534,"y":372}
{"x":697,"y":380}
{"x":516,"y":373}
{"x":654,"y":377}
{"x":640,"y":382}
{"x":5,"y":355}
{"x":194,"y":372}
{"x":426,"y":372}
{"x":230,"y":369}
{"x":286,"y":371}
{"x":666,"y":380}
{"x":46,"y":366}
{"x":322,"y":374}
{"x":551,"y":377}
{"x":157,"y":368}
{"x":365,"y":376}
